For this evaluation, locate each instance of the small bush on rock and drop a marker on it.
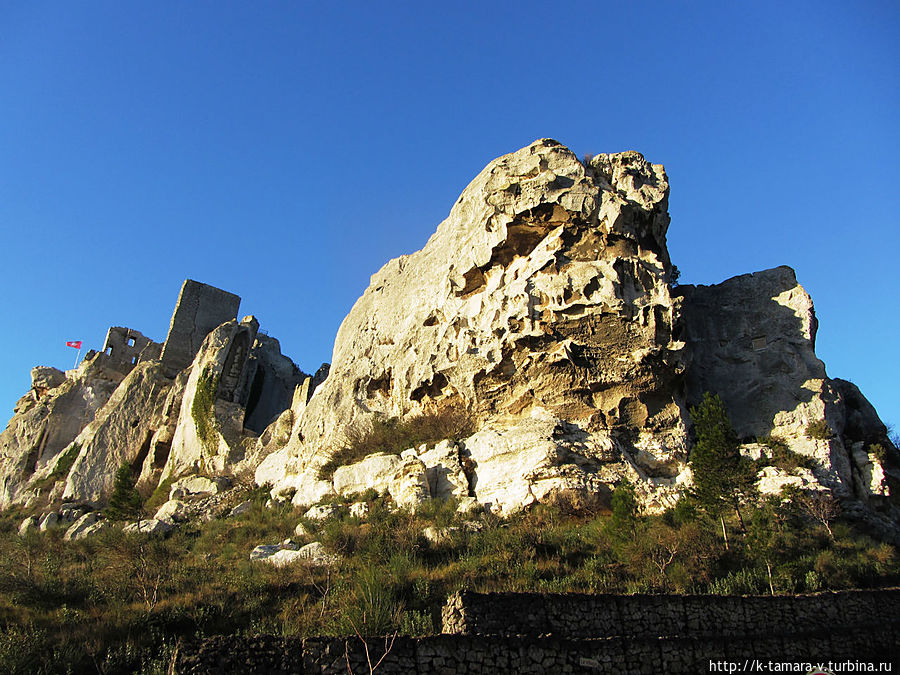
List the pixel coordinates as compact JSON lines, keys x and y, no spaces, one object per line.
{"x":818,"y":430}
{"x":394,"y":435}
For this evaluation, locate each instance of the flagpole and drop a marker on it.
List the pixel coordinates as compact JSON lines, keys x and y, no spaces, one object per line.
{"x":77,"y":356}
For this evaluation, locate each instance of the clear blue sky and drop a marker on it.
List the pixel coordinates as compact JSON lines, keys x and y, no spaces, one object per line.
{"x":284,"y":151}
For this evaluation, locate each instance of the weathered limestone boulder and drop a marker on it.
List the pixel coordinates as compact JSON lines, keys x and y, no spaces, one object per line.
{"x":46,"y":421}
{"x":307,"y":487}
{"x":316,"y":554}
{"x":48,"y":520}
{"x":120,"y":433}
{"x":264,"y":551}
{"x":773,"y":480}
{"x":77,"y":530}
{"x":322,"y":512}
{"x":240,"y":509}
{"x":439,"y":535}
{"x":238,"y":383}
{"x":375,"y":472}
{"x":173,"y":511}
{"x":148,"y":526}
{"x":289,"y":552}
{"x":544,"y":292}
{"x":751,"y":340}
{"x":44,"y":378}
{"x":91,"y":530}
{"x":446,"y":476}
{"x":197,"y":485}
{"x":409,"y":485}
{"x":284,"y":557}
{"x":541,"y":456}
{"x":28,"y":525}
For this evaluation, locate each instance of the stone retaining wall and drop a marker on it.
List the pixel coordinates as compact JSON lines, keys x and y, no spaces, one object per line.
{"x":475,"y":654}
{"x":591,"y":616}
{"x":625,"y":635}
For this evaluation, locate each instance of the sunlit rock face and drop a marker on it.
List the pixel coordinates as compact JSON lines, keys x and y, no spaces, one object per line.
{"x":46,"y":421}
{"x":752,"y":340}
{"x":543,"y":306}
{"x":543,"y":296}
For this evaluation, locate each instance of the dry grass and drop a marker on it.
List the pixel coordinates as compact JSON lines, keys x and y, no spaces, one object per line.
{"x":394,"y":435}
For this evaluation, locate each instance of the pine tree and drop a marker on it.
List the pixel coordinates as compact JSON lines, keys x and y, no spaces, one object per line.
{"x":125,"y":501}
{"x":624,"y":519}
{"x":722,"y":477}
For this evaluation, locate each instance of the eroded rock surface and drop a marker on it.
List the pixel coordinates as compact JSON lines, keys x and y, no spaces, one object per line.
{"x":543,"y":293}
{"x":130,"y":405}
{"x":542,"y":306}
{"x":752,"y":341}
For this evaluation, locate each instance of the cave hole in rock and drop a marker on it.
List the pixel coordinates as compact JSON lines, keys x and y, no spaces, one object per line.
{"x":144,"y":450}
{"x":432,"y":388}
{"x":256,"y":390}
{"x":380,"y":385}
{"x":474,"y":281}
{"x":161,"y":454}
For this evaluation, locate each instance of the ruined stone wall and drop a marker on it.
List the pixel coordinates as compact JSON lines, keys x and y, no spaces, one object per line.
{"x":461,"y":654}
{"x":124,"y":347}
{"x":591,"y":616}
{"x":589,"y":634}
{"x":200,"y":309}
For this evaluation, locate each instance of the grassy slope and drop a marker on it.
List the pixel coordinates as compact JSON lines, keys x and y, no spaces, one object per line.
{"x":119,"y":604}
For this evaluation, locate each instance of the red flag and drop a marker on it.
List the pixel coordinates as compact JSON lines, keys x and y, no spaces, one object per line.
{"x":74,"y":345}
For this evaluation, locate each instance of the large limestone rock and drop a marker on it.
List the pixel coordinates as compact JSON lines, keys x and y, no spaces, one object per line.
{"x":148,"y":526}
{"x":136,"y":403}
{"x":46,"y":422}
{"x":120,"y":433}
{"x":752,"y":341}
{"x":45,"y":378}
{"x":445,"y":472}
{"x":374,"y":472}
{"x":238,"y":382}
{"x":78,"y":529}
{"x":409,"y":486}
{"x":544,"y":293}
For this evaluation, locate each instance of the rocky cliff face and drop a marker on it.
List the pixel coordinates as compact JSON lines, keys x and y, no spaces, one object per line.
{"x":543,"y":307}
{"x":130,"y":405}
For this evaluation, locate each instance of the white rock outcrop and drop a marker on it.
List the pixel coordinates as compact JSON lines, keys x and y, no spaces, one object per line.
{"x":544,"y":306}
{"x":80,"y":528}
{"x":322,"y":512}
{"x":375,"y":472}
{"x":543,"y":293}
{"x":173,"y":511}
{"x":148,"y":526}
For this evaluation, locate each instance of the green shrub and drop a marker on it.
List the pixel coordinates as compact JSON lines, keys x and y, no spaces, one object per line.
{"x":159,"y":496}
{"x":61,"y":470}
{"x":783,"y":457}
{"x":878,"y":450}
{"x":741,"y":582}
{"x":818,"y":430}
{"x":64,"y":463}
{"x":393,"y":435}
{"x":125,"y":501}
